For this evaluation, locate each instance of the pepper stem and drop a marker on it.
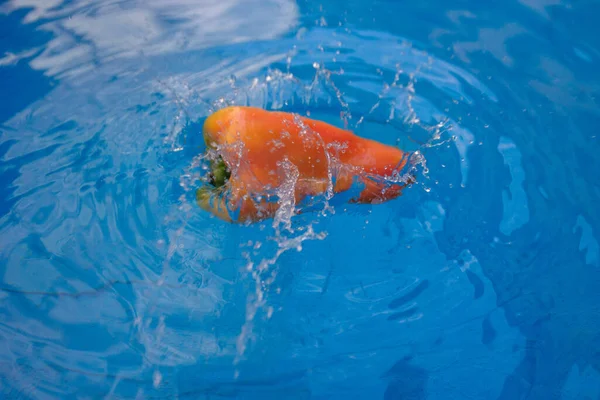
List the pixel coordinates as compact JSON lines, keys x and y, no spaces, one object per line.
{"x":219,"y":173}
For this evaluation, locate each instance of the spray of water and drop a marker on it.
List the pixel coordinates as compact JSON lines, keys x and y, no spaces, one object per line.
{"x":278,"y":90}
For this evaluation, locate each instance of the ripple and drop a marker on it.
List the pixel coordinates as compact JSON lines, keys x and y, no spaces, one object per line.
{"x":88,"y":33}
{"x":114,"y":282}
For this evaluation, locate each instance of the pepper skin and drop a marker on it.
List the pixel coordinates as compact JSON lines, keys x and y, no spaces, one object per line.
{"x":267,"y":152}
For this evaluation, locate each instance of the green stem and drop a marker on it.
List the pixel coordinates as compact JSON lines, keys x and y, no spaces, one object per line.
{"x":219,"y":173}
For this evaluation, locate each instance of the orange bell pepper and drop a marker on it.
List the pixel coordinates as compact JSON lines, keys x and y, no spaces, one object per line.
{"x":267,"y":154}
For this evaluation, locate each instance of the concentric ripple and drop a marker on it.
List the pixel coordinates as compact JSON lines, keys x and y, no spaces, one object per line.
{"x":480,"y":281}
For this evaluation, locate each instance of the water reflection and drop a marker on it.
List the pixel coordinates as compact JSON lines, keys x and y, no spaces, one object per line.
{"x":89,"y":33}
{"x":485,"y":268}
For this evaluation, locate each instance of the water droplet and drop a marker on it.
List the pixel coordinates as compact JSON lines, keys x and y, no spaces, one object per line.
{"x":156,"y":378}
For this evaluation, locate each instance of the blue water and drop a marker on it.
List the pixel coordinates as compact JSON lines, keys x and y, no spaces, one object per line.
{"x":481,"y":282}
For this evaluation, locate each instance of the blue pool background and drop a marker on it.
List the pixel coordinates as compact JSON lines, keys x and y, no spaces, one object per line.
{"x":480,"y":282}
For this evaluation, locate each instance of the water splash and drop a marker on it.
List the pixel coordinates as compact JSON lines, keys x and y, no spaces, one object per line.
{"x":279,"y":90}
{"x":275,"y":89}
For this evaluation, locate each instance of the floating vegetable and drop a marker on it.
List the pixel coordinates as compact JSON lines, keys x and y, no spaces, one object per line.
{"x":263,"y":160}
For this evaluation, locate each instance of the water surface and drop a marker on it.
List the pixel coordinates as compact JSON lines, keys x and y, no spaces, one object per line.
{"x":481,"y":281}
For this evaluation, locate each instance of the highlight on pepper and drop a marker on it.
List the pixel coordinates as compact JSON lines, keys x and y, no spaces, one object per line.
{"x":263,"y":160}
